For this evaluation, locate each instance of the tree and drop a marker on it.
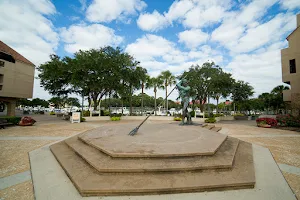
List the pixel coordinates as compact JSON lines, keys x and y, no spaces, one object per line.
{"x":200,"y":80}
{"x":155,"y":83}
{"x":57,"y":101}
{"x":222,"y":83}
{"x":72,"y":102}
{"x":277,"y":101}
{"x":55,"y":76}
{"x":241,"y":91}
{"x":93,"y":73}
{"x":39,"y":102}
{"x":169,"y":80}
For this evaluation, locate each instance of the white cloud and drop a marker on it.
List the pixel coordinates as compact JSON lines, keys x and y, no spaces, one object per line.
{"x":235,"y":22}
{"x":290,"y":4}
{"x":178,"y":9}
{"x":262,"y":70}
{"x":109,"y":10}
{"x":150,"y":46}
{"x":151,"y":22}
{"x":157,"y":54}
{"x":26,"y":28}
{"x":193,"y":38}
{"x":82,"y":36}
{"x":201,"y":16}
{"x":263,"y":34}
{"x":192,"y":14}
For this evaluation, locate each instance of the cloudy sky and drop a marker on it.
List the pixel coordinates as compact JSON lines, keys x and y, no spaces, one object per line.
{"x":244,"y":37}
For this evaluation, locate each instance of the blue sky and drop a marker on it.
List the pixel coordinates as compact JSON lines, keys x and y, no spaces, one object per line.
{"x":243,"y":37}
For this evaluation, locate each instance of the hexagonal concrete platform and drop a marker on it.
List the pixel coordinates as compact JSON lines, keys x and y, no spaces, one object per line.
{"x":165,"y":158}
{"x":161,"y":140}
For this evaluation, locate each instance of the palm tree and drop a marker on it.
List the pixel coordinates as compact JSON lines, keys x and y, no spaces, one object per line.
{"x":169,"y":80}
{"x":279,"y":89}
{"x":277,"y":92}
{"x":155,"y":83}
{"x":266,"y":98}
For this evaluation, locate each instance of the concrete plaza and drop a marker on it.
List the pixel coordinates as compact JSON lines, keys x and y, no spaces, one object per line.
{"x":16,"y":142}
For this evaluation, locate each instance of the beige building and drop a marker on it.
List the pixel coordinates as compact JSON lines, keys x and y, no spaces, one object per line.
{"x":290,"y":64}
{"x":16,"y":78}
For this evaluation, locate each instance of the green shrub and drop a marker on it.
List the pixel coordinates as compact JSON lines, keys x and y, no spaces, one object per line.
{"x":178,"y":116}
{"x":82,"y":119}
{"x":177,"y":119}
{"x":25,"y":112}
{"x":106,"y":113}
{"x":52,"y":113}
{"x":192,"y":113}
{"x":41,"y":112}
{"x":115,"y":118}
{"x":288,"y":120}
{"x":116,"y":115}
{"x":210,"y":120}
{"x":14,"y":120}
{"x":239,"y":114}
{"x":86,"y":113}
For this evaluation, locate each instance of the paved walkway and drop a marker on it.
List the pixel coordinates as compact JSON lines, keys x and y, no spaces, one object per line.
{"x":266,"y":135}
{"x":14,"y":179}
{"x":31,"y":138}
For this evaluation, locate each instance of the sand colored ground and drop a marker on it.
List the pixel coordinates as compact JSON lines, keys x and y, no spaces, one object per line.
{"x":14,"y":158}
{"x":22,"y":191}
{"x":14,"y":155}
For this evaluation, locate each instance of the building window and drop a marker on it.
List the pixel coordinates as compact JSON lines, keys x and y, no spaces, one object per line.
{"x":1,"y":78}
{"x":292,"y":66}
{"x":1,"y":87}
{"x":1,"y":63}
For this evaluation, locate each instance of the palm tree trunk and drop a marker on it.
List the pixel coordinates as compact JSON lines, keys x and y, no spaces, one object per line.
{"x":130,"y":100}
{"x":142,"y":99}
{"x":166,"y":99}
{"x":155,"y":101}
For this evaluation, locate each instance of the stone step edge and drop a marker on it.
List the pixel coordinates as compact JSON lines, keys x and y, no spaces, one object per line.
{"x":86,"y":192}
{"x":137,"y":170}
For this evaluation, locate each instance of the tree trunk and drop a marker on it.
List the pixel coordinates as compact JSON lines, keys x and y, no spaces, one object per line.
{"x":95,"y":100}
{"x":155,"y":101}
{"x":142,"y":98}
{"x":82,"y":105}
{"x":166,"y":99}
{"x":109,"y":102}
{"x":130,"y":100}
{"x":122,"y":106}
{"x":217,"y":98}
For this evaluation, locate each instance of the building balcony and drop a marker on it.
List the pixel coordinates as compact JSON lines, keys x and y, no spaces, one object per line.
{"x":287,"y":95}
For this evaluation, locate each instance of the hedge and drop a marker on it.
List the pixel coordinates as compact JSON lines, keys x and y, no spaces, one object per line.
{"x":14,"y":120}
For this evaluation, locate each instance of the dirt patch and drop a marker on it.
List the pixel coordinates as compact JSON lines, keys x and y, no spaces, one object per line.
{"x":22,"y":191}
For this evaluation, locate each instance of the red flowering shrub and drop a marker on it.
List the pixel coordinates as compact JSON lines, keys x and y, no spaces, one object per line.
{"x":270,"y":121}
{"x":288,"y":120}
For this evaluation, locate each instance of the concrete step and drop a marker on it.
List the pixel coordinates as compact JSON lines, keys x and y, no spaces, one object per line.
{"x":217,"y":129}
{"x":223,"y":158}
{"x":90,"y":182}
{"x":209,"y":127}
